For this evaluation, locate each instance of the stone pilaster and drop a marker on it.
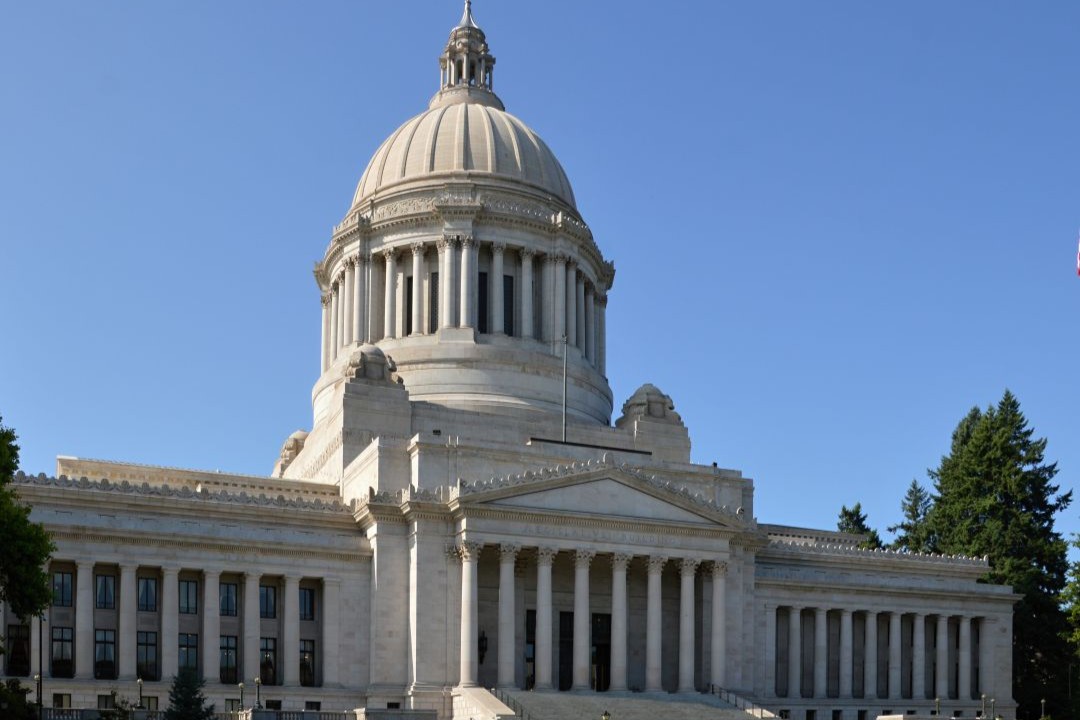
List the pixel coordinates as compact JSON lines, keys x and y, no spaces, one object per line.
{"x":687,"y":571}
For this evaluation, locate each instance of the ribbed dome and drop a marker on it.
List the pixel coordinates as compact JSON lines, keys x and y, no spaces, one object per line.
{"x":464,"y":137}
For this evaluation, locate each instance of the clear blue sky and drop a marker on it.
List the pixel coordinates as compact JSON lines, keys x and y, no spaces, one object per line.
{"x":836,"y":225}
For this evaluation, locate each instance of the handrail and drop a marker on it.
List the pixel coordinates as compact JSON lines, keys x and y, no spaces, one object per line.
{"x":748,"y":706}
{"x":508,"y":700}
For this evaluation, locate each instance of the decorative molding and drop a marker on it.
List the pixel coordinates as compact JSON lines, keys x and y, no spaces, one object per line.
{"x":620,"y":561}
{"x":583,"y":558}
{"x":719,"y":568}
{"x":688,"y":566}
{"x":508,"y":552}
{"x":400,"y":208}
{"x":851,"y":551}
{"x":418,"y":248}
{"x":656,"y":563}
{"x":470,"y":550}
{"x":546,"y":555}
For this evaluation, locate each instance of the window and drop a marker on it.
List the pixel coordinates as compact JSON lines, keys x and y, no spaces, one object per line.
{"x":268,"y":660}
{"x":62,"y":642}
{"x":150,"y":702}
{"x":189,"y":597}
{"x":508,"y":305}
{"x":273,"y":704}
{"x":312,"y":705}
{"x":18,"y":650}
{"x":227,"y":593}
{"x":307,"y":662}
{"x":482,"y":305}
{"x":189,"y":651}
{"x":106,"y":702}
{"x":267,"y":601}
{"x":433,"y":302}
{"x":408,"y":305}
{"x":227,"y":663}
{"x":146,"y":655}
{"x":105,"y":592}
{"x":61,"y":589}
{"x":232,"y":705}
{"x":307,"y":603}
{"x":105,"y":654}
{"x":61,"y":700}
{"x":147,"y":594}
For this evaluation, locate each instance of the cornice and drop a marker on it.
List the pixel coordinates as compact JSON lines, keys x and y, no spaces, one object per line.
{"x":779,"y":548}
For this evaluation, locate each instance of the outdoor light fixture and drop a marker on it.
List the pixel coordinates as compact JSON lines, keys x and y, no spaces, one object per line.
{"x":241,"y":686}
{"x":937,"y":706}
{"x":605,"y":716}
{"x":139,"y":682}
{"x":258,"y":692}
{"x":993,"y":708}
{"x":1042,"y":708}
{"x":983,"y":713}
{"x":481,"y":645}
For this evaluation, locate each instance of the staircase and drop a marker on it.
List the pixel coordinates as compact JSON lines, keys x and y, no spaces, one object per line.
{"x":550,"y":705}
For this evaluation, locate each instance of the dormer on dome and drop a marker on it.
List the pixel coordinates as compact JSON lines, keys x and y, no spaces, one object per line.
{"x":466,"y":66}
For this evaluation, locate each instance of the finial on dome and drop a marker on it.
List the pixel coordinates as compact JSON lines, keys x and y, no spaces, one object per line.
{"x":467,"y":19}
{"x":466,"y":65}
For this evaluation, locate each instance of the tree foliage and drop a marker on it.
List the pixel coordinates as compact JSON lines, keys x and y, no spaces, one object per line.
{"x":186,"y":700}
{"x":995,"y":497}
{"x":14,"y":704}
{"x":853,"y":520}
{"x":24,"y":584}
{"x":913,"y":532}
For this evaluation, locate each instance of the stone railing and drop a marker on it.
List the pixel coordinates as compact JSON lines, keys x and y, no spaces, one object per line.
{"x":847,"y":550}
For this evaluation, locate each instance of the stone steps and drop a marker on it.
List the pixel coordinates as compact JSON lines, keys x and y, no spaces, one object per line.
{"x":550,"y":705}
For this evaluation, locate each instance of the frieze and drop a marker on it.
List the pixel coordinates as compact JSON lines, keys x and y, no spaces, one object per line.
{"x":519,"y":208}
{"x":409,"y":206}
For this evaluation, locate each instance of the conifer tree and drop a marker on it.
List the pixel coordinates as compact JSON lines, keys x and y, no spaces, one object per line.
{"x":853,"y":520}
{"x":995,"y":497}
{"x":186,"y":700}
{"x":912,"y":532}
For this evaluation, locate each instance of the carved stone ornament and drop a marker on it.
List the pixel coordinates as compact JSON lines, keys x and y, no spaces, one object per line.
{"x":470,"y":550}
{"x":656,"y":563}
{"x":719,"y":568}
{"x":689,"y":565}
{"x":498,"y":248}
{"x":467,"y":241}
{"x":546,"y":555}
{"x":621,"y":560}
{"x":508,"y":552}
{"x":418,"y":248}
{"x":410,"y":206}
{"x":527,"y":253}
{"x":584,"y":558}
{"x":325,"y":299}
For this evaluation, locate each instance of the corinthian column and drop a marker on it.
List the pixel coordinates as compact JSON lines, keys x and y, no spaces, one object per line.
{"x":653,"y":625}
{"x":582,"y":560}
{"x":374,"y":320}
{"x":941,"y":669}
{"x":544,"y":558}
{"x":335,"y":305}
{"x":894,"y":655}
{"x":324,"y":354}
{"x":470,"y":667}
{"x":447,"y":282}
{"x":359,"y":293}
{"x":559,"y":315}
{"x":347,"y":297}
{"x":468,"y":283}
{"x":170,"y":621}
{"x":507,"y":555}
{"x":211,"y":626}
{"x":821,"y":652}
{"x":718,"y":644}
{"x":870,"y":669}
{"x":84,"y":619}
{"x":127,"y":598}
{"x":527,"y":319}
{"x":618,"y":620}
{"x":590,"y":324}
{"x":390,"y":302}
{"x":794,"y":683}
{"x":418,"y":288}
{"x":686,"y":624}
{"x":571,"y":303}
{"x":579,"y":305}
{"x":918,"y":656}
{"x":290,"y":659}
{"x":497,"y":326}
{"x":601,"y":334}
{"x":846,"y":654}
{"x":963,"y":675}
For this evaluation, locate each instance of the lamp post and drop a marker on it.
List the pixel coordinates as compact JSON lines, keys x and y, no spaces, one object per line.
{"x":40,"y":667}
{"x":983,"y":705}
{"x":993,"y":708}
{"x":605,"y":716}
{"x":138,"y":681}
{"x":1042,"y":710}
{"x":937,"y":706}
{"x":258,"y":692}
{"x":37,"y":685}
{"x":241,"y":686}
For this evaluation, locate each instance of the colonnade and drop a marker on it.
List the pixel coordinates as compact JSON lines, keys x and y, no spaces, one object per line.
{"x":905,"y":657}
{"x":364,"y":302}
{"x":469,"y":552}
{"x":81,"y":610}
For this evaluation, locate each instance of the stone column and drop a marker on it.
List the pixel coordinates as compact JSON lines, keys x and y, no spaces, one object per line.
{"x":579,"y":306}
{"x":527,"y":320}
{"x":618,"y":620}
{"x":335,"y":305}
{"x":127,"y":599}
{"x":417,"y":288}
{"x":794,"y":652}
{"x":846,"y":655}
{"x":170,"y":622}
{"x":894,"y":655}
{"x":986,"y":657}
{"x":918,"y":655}
{"x":544,"y":558}
{"x":601,"y":334}
{"x":590,"y":325}
{"x":448,"y":282}
{"x":821,"y":652}
{"x":548,"y":303}
{"x":359,"y":294}
{"x":467,"y":314}
{"x":570,"y":292}
{"x":964,"y":669}
{"x":941,"y":657}
{"x":390,"y":298}
{"x":289,"y":655}
{"x":559,"y":325}
{"x":373,"y":319}
{"x":688,"y":569}
{"x":347,"y":297}
{"x":250,"y":660}
{"x":653,"y":621}
{"x":443,"y":247}
{"x":507,"y":556}
{"x":469,"y":660}
{"x":496,"y":326}
{"x":210,"y":642}
{"x":84,"y":620}
{"x":331,"y":630}
{"x":582,"y":618}
{"x":718,"y":641}
{"x":324,"y":354}
{"x":870,"y":669}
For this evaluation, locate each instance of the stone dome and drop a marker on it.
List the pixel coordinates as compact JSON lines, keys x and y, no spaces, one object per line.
{"x":462,"y":136}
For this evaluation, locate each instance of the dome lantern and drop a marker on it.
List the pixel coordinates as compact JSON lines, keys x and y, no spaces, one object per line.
{"x":466,"y":66}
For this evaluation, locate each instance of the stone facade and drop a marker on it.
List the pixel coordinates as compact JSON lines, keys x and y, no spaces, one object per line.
{"x":464,"y":514}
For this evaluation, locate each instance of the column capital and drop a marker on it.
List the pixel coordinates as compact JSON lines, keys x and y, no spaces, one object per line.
{"x":508,"y":552}
{"x":359,"y":258}
{"x":324,"y":299}
{"x":331,"y":582}
{"x":688,"y":566}
{"x":796,"y":608}
{"x":546,"y":555}
{"x":444,"y":242}
{"x":469,"y":550}
{"x":417,"y":248}
{"x":656,"y":563}
{"x":170,"y":569}
{"x":583,"y":558}
{"x":844,"y":612}
{"x":559,"y":258}
{"x":498,"y":247}
{"x":389,"y":254}
{"x":601,"y":299}
{"x":211,"y":572}
{"x":467,"y":241}
{"x":526,"y":253}
{"x":619,"y":561}
{"x":719,"y":568}
{"x":349,"y":262}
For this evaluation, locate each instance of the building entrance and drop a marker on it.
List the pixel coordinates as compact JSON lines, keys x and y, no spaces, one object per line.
{"x":601,"y":651}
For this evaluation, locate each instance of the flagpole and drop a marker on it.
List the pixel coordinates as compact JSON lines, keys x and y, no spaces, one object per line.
{"x":564,"y":341}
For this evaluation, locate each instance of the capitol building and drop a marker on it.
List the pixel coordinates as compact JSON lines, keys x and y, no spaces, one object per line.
{"x":472,"y":522}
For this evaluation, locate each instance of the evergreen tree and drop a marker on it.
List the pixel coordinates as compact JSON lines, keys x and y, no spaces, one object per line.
{"x":994,"y":497}
{"x":853,"y":520}
{"x":913,"y":532}
{"x":186,"y":700}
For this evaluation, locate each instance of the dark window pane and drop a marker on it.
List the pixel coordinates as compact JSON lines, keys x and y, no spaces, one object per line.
{"x":227,"y":661}
{"x":147,"y":656}
{"x":268,"y":660}
{"x":17,"y":644}
{"x":189,"y":651}
{"x":267,"y":601}
{"x":307,"y":662}
{"x":148,"y":594}
{"x":508,"y":305}
{"x":62,"y":652}
{"x":62,"y":589}
{"x":105,"y":592}
{"x":307,"y":603}
{"x":189,"y":597}
{"x":105,"y":654}
{"x":228,"y":593}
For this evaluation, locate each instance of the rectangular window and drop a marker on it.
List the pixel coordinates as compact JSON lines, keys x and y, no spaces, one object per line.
{"x":268,"y":660}
{"x":267,"y":601}
{"x":273,"y":704}
{"x":105,"y":592}
{"x":106,"y":702}
{"x":147,"y":594}
{"x":232,"y":705}
{"x":61,"y":589}
{"x":18,"y":650}
{"x":150,"y":702}
{"x":228,"y":659}
{"x":433,"y":303}
{"x":189,"y":651}
{"x":189,"y":597}
{"x":61,"y":700}
{"x":408,"y":306}
{"x":312,"y":705}
{"x":228,"y":592}
{"x":105,"y":654}
{"x":508,"y":305}
{"x":62,"y":652}
{"x":482,"y":306}
{"x":307,"y":603}
{"x":146,"y":661}
{"x":307,"y":663}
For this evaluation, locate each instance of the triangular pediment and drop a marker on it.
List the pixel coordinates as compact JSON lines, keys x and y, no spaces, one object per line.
{"x":598,"y":489}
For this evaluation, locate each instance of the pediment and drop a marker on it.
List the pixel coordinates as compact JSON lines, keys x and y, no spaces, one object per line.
{"x":598,"y":489}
